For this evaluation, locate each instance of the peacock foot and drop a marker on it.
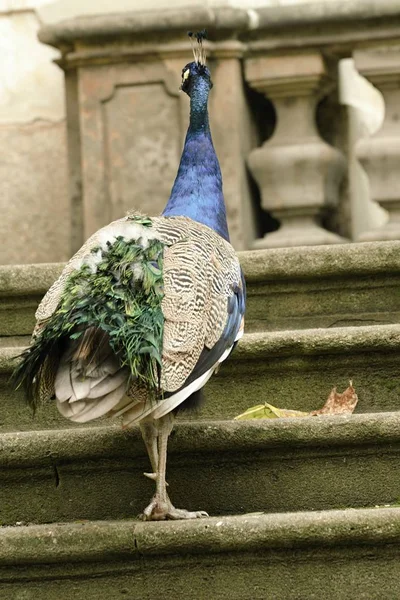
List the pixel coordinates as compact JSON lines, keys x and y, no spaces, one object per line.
{"x":181,"y":513}
{"x":159,"y":510}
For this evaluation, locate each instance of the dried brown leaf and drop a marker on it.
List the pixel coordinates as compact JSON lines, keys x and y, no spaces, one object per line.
{"x":339,"y":404}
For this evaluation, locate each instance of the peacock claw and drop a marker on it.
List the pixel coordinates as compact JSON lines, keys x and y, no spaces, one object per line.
{"x":158,"y":510}
{"x":180,"y":513}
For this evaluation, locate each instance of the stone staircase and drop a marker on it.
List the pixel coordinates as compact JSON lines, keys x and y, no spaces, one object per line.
{"x":305,"y":508}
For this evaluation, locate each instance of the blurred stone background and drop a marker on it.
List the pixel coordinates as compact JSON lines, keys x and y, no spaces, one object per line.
{"x":118,"y":71}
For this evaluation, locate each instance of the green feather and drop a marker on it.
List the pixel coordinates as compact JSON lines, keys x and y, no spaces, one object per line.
{"x":113,"y":299}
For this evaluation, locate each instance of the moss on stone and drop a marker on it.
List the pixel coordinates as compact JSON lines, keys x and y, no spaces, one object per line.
{"x":221,"y":467}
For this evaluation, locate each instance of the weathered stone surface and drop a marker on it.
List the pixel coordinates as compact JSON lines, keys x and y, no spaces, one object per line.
{"x":349,"y":261}
{"x":329,"y":286}
{"x":334,"y":24}
{"x":216,"y":535}
{"x":279,"y":465}
{"x":130,"y":140}
{"x":107,"y":51}
{"x":298,"y":369}
{"x":229,"y":104}
{"x":322,"y":302}
{"x":265,"y":557}
{"x":21,"y":289}
{"x":34,"y":200}
{"x":59,"y":10}
{"x":35,"y":223}
{"x":96,"y":27}
{"x":40,"y":155}
{"x":31,"y":85}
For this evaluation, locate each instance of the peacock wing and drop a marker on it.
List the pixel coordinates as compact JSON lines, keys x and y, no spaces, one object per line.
{"x":203,"y":304}
{"x":203,"y":308}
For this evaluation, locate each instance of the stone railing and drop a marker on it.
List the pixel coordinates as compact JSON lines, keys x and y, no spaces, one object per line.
{"x":126,"y":118}
{"x":292,"y":58}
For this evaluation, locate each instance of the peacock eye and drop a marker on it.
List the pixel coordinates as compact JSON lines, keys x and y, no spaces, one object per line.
{"x":185,"y":74}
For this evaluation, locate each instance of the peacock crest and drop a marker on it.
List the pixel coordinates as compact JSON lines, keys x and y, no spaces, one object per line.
{"x":199,"y":51}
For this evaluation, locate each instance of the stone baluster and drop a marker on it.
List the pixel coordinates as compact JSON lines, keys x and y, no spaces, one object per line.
{"x":297,"y":172}
{"x":380,"y":154}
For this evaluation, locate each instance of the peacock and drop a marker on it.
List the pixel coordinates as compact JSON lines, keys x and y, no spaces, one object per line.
{"x":144,"y":313}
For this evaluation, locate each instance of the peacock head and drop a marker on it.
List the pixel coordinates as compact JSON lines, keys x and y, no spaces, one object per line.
{"x":196,"y":73}
{"x":193,"y":74}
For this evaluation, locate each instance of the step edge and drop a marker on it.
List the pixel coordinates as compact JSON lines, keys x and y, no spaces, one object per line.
{"x":320,"y":262}
{"x":105,"y":540}
{"x":288,"y":342}
{"x":303,"y":262}
{"x":317,"y":341}
{"x":28,"y":279}
{"x":48,"y":447}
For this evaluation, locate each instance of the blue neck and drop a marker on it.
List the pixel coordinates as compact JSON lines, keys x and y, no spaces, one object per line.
{"x":197,"y":191}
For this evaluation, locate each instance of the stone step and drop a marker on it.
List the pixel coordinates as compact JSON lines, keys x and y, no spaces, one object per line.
{"x":21,"y":289}
{"x":298,"y":369}
{"x":14,"y":414}
{"x":288,"y":288}
{"x":289,"y":369}
{"x":334,"y":555}
{"x":315,"y":463}
{"x":322,"y":286}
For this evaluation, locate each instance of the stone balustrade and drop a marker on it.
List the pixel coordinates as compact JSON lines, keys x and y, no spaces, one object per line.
{"x":127,"y":120}
{"x":297,"y":171}
{"x":292,"y":57}
{"x":380,"y":155}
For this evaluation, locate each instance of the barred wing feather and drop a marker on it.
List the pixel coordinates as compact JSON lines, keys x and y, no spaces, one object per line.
{"x":203,"y":307}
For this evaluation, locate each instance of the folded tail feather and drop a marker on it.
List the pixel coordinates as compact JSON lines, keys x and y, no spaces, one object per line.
{"x":89,"y":376}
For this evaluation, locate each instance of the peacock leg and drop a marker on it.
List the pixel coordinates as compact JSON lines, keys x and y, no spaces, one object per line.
{"x":150,"y":437}
{"x":155,"y":435}
{"x":161,"y":507}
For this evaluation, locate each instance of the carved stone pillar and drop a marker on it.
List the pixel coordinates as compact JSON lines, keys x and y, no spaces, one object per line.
{"x":298,"y":173}
{"x":130,"y":139}
{"x":380,"y":154}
